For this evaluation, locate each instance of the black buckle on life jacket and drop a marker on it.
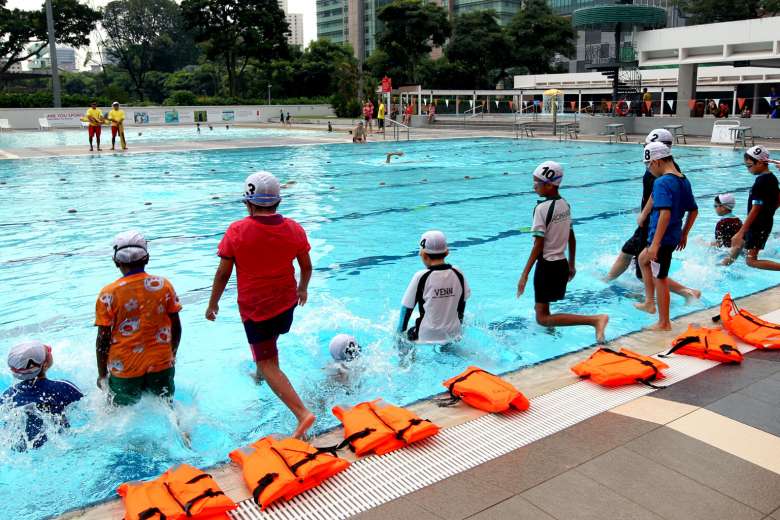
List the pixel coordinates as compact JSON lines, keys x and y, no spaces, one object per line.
{"x":453,"y":399}
{"x":146,"y":514}
{"x":365,"y":432}
{"x":263,"y":483}
{"x":206,"y":494}
{"x":412,"y":422}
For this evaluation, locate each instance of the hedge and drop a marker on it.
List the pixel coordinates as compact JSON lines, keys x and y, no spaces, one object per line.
{"x":178,"y":97}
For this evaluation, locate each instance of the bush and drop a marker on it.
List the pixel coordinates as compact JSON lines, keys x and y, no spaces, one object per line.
{"x":345,"y":107}
{"x":181,"y":98}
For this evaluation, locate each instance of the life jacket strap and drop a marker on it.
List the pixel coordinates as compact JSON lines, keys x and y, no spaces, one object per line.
{"x":680,"y":344}
{"x":365,"y":432}
{"x":206,"y":494}
{"x":311,"y":456}
{"x":199,"y":477}
{"x":412,"y":422}
{"x":146,"y":514}
{"x":645,"y":381}
{"x":263,"y":483}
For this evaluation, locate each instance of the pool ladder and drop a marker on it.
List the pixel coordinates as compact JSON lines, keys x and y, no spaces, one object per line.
{"x":398,"y":129}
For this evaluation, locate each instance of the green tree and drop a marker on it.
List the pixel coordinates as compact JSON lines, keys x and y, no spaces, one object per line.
{"x":478,"y":49}
{"x":316,"y":72}
{"x":411,"y":29}
{"x":146,"y":35}
{"x":536,"y":34}
{"x":234,"y":31}
{"x":712,"y":11}
{"x":18,"y":29}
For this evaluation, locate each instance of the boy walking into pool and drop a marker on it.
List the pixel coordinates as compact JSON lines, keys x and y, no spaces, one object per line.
{"x":263,"y":247}
{"x":672,"y":199}
{"x":762,"y":203}
{"x":552,"y":231}
{"x":138,"y":327}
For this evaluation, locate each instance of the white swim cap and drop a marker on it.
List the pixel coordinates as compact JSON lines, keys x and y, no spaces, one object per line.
{"x":759,"y":153}
{"x":726,"y":199}
{"x":655,"y":151}
{"x":660,"y":135}
{"x":433,"y":242}
{"x":549,"y":172}
{"x":262,"y":189}
{"x":344,"y":347}
{"x":26,"y":359}
{"x":129,"y":247}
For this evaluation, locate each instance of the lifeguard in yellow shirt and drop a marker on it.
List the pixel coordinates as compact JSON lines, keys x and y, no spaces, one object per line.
{"x":117,"y":118}
{"x":95,"y":118}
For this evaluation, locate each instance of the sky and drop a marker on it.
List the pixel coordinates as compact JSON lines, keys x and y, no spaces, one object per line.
{"x":306,"y":7}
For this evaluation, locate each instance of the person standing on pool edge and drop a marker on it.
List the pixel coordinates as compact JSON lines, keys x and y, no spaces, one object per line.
{"x":117,"y":118}
{"x":139,"y":329}
{"x":552,"y":231}
{"x":672,"y":198}
{"x":262,"y":247}
{"x":762,"y":204}
{"x":95,"y":118}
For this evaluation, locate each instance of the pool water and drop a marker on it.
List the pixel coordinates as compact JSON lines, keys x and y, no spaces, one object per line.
{"x":142,"y":135}
{"x":364,"y":218}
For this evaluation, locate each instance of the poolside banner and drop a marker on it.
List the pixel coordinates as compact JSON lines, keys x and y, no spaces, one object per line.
{"x":691,"y":103}
{"x":64,"y":118}
{"x":741,"y":102}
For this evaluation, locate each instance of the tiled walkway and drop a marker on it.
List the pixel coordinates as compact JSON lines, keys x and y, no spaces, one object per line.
{"x":705,"y":448}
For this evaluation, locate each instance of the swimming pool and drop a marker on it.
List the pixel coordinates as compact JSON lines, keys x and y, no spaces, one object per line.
{"x":141,"y":135}
{"x":364,"y":219}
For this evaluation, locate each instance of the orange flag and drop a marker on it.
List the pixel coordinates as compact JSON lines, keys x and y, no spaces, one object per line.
{"x":741,"y":102}
{"x":573,"y":104}
{"x":609,"y":106}
{"x":691,"y":103}
{"x":648,"y":105}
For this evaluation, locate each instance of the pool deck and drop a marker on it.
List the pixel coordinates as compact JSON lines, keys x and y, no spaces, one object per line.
{"x":318,"y":136}
{"x":707,"y":447}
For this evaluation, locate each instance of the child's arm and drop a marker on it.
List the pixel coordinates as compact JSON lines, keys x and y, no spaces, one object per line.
{"x":403,"y":321}
{"x":175,"y":331}
{"x":642,"y":218}
{"x":572,"y":254}
{"x":304,"y":263}
{"x":102,"y":345}
{"x":535,"y":254}
{"x":221,"y":279}
{"x":664,"y":216}
{"x":689,"y":220}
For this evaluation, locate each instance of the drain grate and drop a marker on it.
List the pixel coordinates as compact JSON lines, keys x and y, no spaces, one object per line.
{"x":375,"y":480}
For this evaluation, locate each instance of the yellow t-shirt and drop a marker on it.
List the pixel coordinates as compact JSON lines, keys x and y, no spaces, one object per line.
{"x":381,"y":114}
{"x":96,"y":114}
{"x":647,"y":96}
{"x":116,"y":116}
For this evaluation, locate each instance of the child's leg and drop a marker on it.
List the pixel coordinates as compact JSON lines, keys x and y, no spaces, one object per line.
{"x":597,"y":321}
{"x":268,"y":365}
{"x":619,"y":267}
{"x":647,"y":278}
{"x":686,"y":292}
{"x":663,"y":297}
{"x":752,"y":260}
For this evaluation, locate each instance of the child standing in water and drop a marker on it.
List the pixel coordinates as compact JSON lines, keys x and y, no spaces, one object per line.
{"x":729,"y":224}
{"x":552,"y":233}
{"x":672,"y":198}
{"x":263,"y":247}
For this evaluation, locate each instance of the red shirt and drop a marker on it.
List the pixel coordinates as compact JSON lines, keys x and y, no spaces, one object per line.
{"x":263,"y":249}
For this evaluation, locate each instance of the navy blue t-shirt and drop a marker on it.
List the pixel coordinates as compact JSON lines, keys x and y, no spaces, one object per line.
{"x":764,"y":193}
{"x":675,"y":194}
{"x":41,"y":396}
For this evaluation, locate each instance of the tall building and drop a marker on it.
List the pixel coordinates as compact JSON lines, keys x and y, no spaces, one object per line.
{"x":505,"y":9}
{"x":295,"y":21}
{"x":66,"y":59}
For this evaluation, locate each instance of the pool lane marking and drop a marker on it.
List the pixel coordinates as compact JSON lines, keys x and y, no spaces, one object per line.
{"x":8,"y":155}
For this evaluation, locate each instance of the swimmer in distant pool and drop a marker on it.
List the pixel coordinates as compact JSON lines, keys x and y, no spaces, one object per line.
{"x":391,"y":154}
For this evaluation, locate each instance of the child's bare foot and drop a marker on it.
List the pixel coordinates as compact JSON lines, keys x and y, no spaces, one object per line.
{"x":601,"y":327}
{"x":646,"y":307}
{"x":303,"y":425}
{"x":660,"y":326}
{"x":691,"y":296}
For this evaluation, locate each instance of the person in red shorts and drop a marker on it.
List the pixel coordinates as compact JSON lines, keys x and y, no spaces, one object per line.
{"x":262,"y":247}
{"x":95,"y":118}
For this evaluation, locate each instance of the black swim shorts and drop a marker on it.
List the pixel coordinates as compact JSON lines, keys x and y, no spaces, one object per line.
{"x":550,"y":280}
{"x":756,"y":237}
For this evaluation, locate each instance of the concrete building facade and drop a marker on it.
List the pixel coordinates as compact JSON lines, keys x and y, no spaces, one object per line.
{"x":295,"y":21}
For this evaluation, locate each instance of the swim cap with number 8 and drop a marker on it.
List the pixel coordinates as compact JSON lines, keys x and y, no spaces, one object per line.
{"x":549,"y":172}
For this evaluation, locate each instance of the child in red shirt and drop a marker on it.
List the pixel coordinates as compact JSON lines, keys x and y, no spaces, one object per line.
{"x":263,"y":246}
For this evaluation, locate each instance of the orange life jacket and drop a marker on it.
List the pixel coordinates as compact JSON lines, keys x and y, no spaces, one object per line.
{"x":377,"y":427}
{"x":180,"y":492}
{"x":281,"y":469}
{"x":485,"y":391}
{"x":748,"y":327}
{"x":706,"y":343}
{"x":609,"y":368}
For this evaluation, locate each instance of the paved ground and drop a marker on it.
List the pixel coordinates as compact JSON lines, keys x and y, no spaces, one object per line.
{"x":706,"y":448}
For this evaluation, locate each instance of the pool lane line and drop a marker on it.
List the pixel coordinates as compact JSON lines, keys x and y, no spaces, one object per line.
{"x":7,"y":155}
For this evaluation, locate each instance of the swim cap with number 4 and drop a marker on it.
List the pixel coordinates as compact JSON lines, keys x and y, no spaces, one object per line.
{"x":549,"y":172}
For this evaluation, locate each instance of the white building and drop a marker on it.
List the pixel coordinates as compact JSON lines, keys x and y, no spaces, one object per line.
{"x":13,"y":69}
{"x":295,"y":20}
{"x":66,"y":60}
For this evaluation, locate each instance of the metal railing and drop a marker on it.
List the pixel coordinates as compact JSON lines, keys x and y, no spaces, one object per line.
{"x":475,"y":111}
{"x":604,"y":53}
{"x":398,"y":129}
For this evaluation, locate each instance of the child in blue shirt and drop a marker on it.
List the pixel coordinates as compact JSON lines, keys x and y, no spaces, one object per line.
{"x":672,"y":199}
{"x":36,"y":394}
